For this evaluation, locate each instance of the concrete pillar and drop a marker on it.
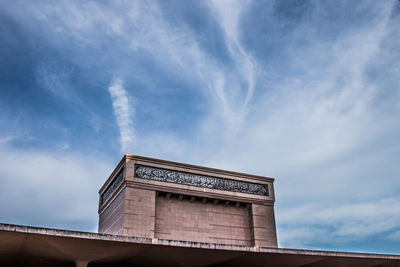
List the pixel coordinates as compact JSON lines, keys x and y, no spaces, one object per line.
{"x":81,"y":263}
{"x":263,"y":224}
{"x":129,"y":169}
{"x":139,"y":214}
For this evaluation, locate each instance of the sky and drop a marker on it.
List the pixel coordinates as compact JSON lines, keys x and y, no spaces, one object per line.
{"x":307,"y":92}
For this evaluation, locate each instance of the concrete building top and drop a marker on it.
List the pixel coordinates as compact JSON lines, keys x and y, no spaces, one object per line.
{"x":257,"y":188}
{"x":174,"y":165}
{"x":161,"y":199}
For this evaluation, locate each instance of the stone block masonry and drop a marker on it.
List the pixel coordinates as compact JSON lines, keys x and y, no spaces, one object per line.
{"x":202,"y":220}
{"x":164,"y":200}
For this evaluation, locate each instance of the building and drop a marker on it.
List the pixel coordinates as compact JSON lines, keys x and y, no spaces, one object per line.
{"x":160,"y":213}
{"x":173,"y":201}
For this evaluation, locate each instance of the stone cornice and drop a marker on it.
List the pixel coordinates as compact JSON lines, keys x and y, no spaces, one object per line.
{"x":195,"y":168}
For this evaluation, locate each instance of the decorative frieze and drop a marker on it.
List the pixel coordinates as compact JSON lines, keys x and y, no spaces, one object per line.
{"x":164,"y":175}
{"x":112,"y":186}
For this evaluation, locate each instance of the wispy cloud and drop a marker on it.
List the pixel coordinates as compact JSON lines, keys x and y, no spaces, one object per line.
{"x":55,"y":80}
{"x":6,"y":139}
{"x":229,"y":16}
{"x":123,"y":110}
{"x":344,"y":222}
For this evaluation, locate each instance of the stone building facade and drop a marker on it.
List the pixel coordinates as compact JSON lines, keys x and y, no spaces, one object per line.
{"x":152,"y":198}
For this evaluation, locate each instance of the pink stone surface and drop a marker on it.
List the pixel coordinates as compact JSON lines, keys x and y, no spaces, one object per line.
{"x":202,"y":222}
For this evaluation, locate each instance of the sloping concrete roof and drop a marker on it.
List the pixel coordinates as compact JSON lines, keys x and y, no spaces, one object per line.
{"x":42,"y":246}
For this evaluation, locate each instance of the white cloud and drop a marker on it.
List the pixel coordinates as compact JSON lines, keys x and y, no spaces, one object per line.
{"x":50,"y":189}
{"x":349,"y":221}
{"x":123,"y":110}
{"x":6,"y":139}
{"x":228,"y":14}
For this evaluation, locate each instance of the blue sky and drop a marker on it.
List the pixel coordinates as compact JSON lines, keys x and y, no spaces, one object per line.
{"x":304,"y":91}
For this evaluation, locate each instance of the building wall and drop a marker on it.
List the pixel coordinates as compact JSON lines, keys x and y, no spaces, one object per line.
{"x":112,"y":217}
{"x":198,"y":221}
{"x":139,"y":212}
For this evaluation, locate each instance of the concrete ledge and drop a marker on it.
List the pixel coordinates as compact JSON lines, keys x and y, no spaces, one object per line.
{"x":188,"y":244}
{"x":26,"y":245}
{"x":70,"y":233}
{"x":324,"y":253}
{"x":177,"y":243}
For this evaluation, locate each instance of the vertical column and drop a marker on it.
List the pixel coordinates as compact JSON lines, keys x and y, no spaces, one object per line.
{"x":129,"y":169}
{"x":81,"y":263}
{"x":263,"y":224}
{"x":139,"y":218}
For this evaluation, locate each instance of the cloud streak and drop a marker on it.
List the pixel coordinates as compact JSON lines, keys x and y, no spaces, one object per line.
{"x":123,"y":110}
